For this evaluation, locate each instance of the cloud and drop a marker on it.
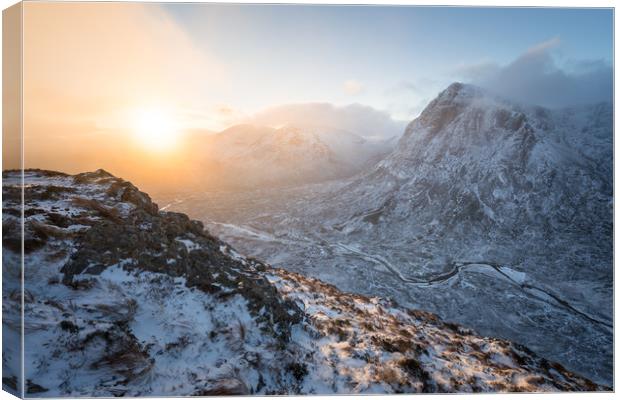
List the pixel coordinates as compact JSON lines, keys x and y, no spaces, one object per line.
{"x":352,"y":87}
{"x":362,"y":120}
{"x":535,"y":77}
{"x":544,"y":47}
{"x":223,"y":115}
{"x":407,"y":98}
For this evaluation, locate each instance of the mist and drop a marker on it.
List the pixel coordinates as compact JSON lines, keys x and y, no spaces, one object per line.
{"x":362,"y":120}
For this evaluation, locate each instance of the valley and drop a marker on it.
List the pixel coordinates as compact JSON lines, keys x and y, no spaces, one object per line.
{"x":493,"y":299}
{"x":491,"y":214}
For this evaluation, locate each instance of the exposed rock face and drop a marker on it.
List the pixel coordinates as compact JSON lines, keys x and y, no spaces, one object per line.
{"x":122,"y":299}
{"x":479,"y":164}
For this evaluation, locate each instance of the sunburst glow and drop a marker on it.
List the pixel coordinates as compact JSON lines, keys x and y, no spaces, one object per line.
{"x":155,"y":129}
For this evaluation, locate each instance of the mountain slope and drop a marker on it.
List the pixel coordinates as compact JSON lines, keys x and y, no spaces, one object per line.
{"x":479,"y":178}
{"x":488,"y":212}
{"x":122,"y":299}
{"x":474,"y":159}
{"x":257,"y":156}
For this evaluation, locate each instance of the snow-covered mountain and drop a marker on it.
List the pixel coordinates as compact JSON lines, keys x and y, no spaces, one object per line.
{"x":259,"y":156}
{"x":123,"y":299}
{"x":475,"y":164}
{"x":488,"y":212}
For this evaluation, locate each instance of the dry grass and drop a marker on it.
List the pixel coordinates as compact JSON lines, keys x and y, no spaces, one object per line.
{"x":106,"y":212}
{"x":225,"y":386}
{"x":122,"y":312}
{"x":45,"y":230}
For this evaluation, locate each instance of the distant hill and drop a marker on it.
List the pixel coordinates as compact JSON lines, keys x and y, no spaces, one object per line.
{"x":250,"y":156}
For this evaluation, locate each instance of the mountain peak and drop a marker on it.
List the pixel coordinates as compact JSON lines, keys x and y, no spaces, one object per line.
{"x":467,"y":103}
{"x":459,"y":91}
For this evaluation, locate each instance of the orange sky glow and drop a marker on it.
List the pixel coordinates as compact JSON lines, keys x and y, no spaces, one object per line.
{"x":96,"y":76}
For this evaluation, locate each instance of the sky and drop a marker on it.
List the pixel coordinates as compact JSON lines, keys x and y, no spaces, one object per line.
{"x":391,"y":58}
{"x":92,"y":70}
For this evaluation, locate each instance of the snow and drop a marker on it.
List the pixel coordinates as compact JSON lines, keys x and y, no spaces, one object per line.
{"x":189,"y":244}
{"x":516,"y":276}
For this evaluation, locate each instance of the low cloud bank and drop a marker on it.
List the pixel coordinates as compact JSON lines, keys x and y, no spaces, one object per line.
{"x":535,"y":78}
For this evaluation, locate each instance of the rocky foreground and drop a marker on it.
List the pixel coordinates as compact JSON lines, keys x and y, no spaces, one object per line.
{"x":122,"y":299}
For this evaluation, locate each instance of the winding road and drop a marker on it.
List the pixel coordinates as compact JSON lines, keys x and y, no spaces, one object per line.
{"x":516,"y":278}
{"x":505,"y":273}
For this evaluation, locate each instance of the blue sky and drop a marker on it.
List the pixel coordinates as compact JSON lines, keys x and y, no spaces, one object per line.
{"x":391,"y":58}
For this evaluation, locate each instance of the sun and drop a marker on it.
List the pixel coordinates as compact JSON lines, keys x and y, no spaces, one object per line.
{"x":155,"y":129}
